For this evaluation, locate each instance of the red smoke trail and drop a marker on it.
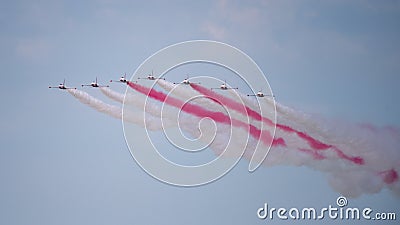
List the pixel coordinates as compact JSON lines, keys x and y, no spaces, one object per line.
{"x":230,"y":103}
{"x":201,"y":112}
{"x":315,"y":144}
{"x":389,"y":176}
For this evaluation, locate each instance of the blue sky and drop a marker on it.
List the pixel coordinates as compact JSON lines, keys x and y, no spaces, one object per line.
{"x":63,"y":163}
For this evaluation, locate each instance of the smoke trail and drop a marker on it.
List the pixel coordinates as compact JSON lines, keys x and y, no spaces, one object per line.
{"x":338,"y":172}
{"x":217,"y":142}
{"x":118,"y":97}
{"x":204,"y":134}
{"x":114,"y":111}
{"x":196,"y":110}
{"x":286,"y":115}
{"x":377,"y":147}
{"x":314,"y":144}
{"x":182,"y":91}
{"x":137,"y":101}
{"x":100,"y":106}
{"x":231,"y":104}
{"x":129,"y":98}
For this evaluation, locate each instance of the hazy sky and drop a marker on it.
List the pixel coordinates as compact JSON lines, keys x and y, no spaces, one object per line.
{"x":63,"y":163}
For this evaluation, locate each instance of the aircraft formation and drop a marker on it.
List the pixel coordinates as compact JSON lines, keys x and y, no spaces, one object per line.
{"x":186,"y":81}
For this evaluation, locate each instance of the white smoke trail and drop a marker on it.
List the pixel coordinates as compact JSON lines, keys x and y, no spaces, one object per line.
{"x":118,"y":97}
{"x":130,"y":98}
{"x":100,"y":106}
{"x":114,"y":111}
{"x":140,"y":103}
